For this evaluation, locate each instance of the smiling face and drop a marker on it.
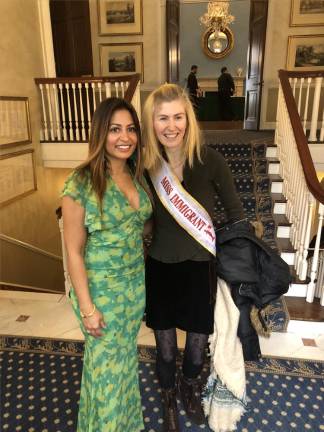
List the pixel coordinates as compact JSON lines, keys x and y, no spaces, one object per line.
{"x":170,"y":123}
{"x":122,"y":137}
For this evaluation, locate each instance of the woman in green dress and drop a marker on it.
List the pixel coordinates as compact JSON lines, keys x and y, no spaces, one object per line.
{"x":105,"y":207}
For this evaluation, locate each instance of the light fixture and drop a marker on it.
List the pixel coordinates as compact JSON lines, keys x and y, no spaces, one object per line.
{"x":217,"y":16}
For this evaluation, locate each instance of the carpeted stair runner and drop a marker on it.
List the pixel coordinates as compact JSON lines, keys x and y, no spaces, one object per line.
{"x":246,"y":157}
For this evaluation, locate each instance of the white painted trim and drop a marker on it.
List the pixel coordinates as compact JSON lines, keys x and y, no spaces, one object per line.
{"x":297,"y":290}
{"x":46,"y":38}
{"x":305,"y":328}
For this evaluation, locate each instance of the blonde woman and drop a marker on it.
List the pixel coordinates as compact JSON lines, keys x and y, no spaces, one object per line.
{"x":105,"y":207}
{"x":183,"y":177}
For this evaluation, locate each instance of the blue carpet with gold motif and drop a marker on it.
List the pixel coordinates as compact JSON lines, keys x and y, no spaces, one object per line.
{"x":40,"y":387}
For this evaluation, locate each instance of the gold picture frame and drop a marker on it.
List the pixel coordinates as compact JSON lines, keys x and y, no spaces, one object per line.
{"x":120,"y":17}
{"x":118,"y":59}
{"x":14,"y":121}
{"x":305,"y":53}
{"x":306,"y":13}
{"x":17,"y":176}
{"x":207,"y":40}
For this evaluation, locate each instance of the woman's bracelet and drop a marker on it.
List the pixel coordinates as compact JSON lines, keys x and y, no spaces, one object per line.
{"x":83,"y":315}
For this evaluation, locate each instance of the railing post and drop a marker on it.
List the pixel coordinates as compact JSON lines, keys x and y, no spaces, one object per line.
{"x":316,"y":103}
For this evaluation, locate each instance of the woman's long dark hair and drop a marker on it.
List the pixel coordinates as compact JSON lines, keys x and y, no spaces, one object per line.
{"x":97,"y":164}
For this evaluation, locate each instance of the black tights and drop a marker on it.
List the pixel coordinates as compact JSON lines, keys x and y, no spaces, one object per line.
{"x":166,"y":346}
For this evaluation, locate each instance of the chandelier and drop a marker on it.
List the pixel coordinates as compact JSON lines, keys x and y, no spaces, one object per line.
{"x":217,"y":16}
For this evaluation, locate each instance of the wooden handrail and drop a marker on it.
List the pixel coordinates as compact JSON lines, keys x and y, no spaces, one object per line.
{"x":304,"y":74}
{"x":301,"y":140}
{"x":90,"y":79}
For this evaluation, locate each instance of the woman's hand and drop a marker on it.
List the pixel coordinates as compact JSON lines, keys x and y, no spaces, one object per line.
{"x":94,"y":324}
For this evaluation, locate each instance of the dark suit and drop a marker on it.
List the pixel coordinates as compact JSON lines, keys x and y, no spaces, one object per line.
{"x":192,"y":85}
{"x":226,"y":89}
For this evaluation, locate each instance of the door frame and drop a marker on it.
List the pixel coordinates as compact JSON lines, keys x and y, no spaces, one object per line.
{"x":46,"y":38}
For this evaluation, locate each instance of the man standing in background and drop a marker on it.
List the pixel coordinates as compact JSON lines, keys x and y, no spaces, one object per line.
{"x":226,"y":89}
{"x":193,"y":88}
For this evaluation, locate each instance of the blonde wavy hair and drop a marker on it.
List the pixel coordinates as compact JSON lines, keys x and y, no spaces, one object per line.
{"x":153,"y":150}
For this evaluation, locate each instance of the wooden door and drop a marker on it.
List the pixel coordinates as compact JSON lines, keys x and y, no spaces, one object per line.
{"x":172,"y":42}
{"x":254,"y":82}
{"x":70,"y":21}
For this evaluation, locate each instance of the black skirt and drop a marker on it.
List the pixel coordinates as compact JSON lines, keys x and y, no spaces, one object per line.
{"x":179,"y":295}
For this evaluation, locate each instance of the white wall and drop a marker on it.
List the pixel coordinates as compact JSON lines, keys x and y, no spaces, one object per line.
{"x":278,"y":30}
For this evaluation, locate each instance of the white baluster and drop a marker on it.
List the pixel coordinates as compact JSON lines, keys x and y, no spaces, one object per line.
{"x":57,"y":113}
{"x":77,"y":130}
{"x":122,"y":89}
{"x":63,"y":112}
{"x":108,"y":89}
{"x":322,"y":128}
{"x":303,"y":272}
{"x":67,"y":86}
{"x":316,"y":102}
{"x":100,"y":91}
{"x":45,"y":130}
{"x":49,"y":104}
{"x":83,"y":134}
{"x":309,"y":80}
{"x":294,"y":86}
{"x":88,"y":107}
{"x":300,"y":94}
{"x":117,"y":88}
{"x":93,"y":86}
{"x":311,"y":285}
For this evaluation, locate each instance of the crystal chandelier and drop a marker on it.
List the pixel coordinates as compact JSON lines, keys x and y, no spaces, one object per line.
{"x":217,"y":16}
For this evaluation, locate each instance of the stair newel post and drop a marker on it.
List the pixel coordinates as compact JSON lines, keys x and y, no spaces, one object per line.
{"x":77,"y":129}
{"x":303,"y":270}
{"x":50,"y":112}
{"x":316,"y":103}
{"x":57,"y":112}
{"x":315,"y":261}
{"x":86,"y":85}
{"x":63,"y":112}
{"x":83,"y":134}
{"x":45,"y":130}
{"x":71,"y":134}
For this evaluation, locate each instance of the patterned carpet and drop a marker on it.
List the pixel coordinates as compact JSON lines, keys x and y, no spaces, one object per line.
{"x":40,"y":387}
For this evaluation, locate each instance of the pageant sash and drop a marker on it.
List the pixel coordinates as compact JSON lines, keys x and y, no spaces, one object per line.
{"x":184,"y":208}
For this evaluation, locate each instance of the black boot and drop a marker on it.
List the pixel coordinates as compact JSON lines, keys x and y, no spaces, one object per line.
{"x":190,"y":393}
{"x":170,"y":414}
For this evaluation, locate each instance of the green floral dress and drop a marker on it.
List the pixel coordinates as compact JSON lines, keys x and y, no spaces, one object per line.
{"x":110,"y":399}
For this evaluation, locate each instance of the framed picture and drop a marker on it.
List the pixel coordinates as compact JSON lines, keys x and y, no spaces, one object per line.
{"x":305,"y":53}
{"x":17,"y":176}
{"x":120,"y":17}
{"x":307,"y":13}
{"x":14,"y":121}
{"x":121,"y":59}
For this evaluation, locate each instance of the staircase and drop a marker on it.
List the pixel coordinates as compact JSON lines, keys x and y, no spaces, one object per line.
{"x":255,"y":169}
